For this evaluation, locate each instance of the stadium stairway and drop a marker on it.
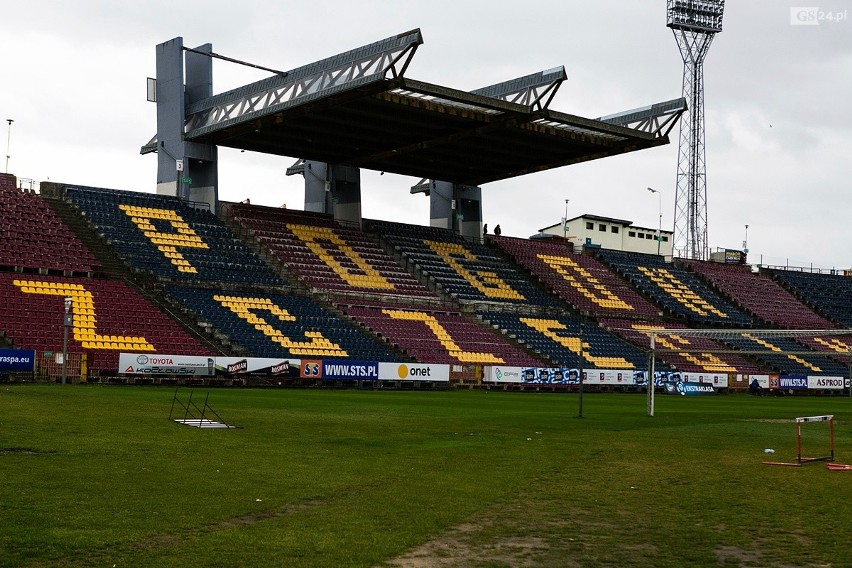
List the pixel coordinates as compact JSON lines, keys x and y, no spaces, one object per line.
{"x":111,"y":265}
{"x":114,"y":268}
{"x":252,"y":241}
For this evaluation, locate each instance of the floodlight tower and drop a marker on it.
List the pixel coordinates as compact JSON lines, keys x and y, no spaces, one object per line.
{"x":694,"y":24}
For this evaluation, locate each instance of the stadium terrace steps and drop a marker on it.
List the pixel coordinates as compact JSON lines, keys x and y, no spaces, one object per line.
{"x":379,"y":310}
{"x":558,"y":338}
{"x":774,"y":304}
{"x":108,"y":317}
{"x":110,"y":265}
{"x":466,"y":271}
{"x":276,"y":325}
{"x":328,"y":256}
{"x":579,"y":279}
{"x":35,"y":238}
{"x":680,"y":292}
{"x":761,"y":295}
{"x":170,"y":238}
{"x":440,"y":336}
{"x":686,"y":354}
{"x":828,"y":294}
{"x":795,"y":359}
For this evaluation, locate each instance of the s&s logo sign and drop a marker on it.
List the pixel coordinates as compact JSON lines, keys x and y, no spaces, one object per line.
{"x":311,"y":369}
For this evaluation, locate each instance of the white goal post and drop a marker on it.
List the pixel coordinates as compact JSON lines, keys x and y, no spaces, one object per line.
{"x":721,"y":334}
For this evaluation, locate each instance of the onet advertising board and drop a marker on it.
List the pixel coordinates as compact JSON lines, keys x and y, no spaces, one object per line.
{"x":414,"y":372}
{"x":17,"y":360}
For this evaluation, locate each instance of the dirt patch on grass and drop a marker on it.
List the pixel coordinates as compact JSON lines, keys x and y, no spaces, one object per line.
{"x":567,"y":538}
{"x":754,"y":558}
{"x":18,"y":452}
{"x":456,"y":550}
{"x":736,"y":556}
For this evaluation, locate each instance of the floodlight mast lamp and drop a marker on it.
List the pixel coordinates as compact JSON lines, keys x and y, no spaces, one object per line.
{"x":694,"y":24}
{"x":660,"y":218}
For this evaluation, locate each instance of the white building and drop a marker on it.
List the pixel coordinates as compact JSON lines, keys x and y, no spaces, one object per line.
{"x":615,"y":234}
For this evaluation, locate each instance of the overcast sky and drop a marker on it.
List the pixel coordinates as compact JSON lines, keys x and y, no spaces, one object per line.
{"x":778,"y":110}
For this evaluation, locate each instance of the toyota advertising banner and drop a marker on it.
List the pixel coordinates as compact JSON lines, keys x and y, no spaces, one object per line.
{"x":414,"y":372}
{"x":174,"y":365}
{"x":17,"y":360}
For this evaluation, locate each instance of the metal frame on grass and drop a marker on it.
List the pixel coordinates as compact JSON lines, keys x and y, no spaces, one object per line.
{"x":803,"y":460}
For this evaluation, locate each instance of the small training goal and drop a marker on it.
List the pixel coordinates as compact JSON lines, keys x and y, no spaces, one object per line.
{"x":802,"y":459}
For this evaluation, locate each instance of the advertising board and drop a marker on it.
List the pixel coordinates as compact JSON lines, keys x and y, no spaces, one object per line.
{"x":17,"y":360}
{"x":173,"y":365}
{"x":414,"y":372}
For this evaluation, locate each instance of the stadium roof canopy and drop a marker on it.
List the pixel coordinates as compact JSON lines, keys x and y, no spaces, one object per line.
{"x":358,"y":109}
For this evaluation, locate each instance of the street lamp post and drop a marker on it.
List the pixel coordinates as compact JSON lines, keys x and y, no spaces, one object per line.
{"x":8,"y":142}
{"x":565,"y":221}
{"x":66,"y":323}
{"x":582,"y":370}
{"x":745,"y":241}
{"x":660,"y":219}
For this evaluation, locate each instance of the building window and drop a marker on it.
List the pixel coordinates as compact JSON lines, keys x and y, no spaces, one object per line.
{"x":602,"y":227}
{"x":641,"y":235}
{"x":665,"y":239}
{"x":614,"y":229}
{"x":590,"y":226}
{"x":631,"y":233}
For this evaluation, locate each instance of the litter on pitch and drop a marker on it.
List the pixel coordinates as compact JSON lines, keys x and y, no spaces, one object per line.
{"x":828,"y":418}
{"x":198,"y":417}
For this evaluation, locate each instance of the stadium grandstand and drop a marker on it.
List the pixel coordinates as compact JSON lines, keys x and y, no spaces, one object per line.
{"x":93,"y":278}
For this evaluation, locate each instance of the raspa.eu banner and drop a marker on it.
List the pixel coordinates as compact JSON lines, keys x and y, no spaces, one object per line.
{"x":17,"y":360}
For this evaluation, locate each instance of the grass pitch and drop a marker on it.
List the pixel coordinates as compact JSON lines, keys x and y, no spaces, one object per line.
{"x":97,"y":476}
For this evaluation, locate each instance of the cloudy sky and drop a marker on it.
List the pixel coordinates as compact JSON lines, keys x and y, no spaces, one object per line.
{"x":779,"y":120}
